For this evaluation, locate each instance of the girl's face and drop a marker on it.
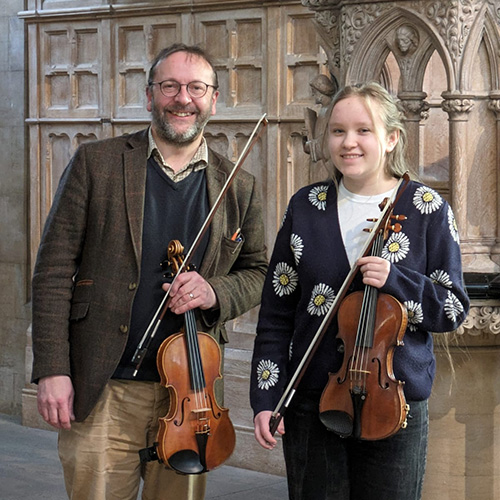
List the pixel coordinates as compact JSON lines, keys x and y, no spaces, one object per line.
{"x":358,"y":145}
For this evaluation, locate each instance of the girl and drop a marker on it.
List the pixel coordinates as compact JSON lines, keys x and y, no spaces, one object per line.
{"x":319,"y":242}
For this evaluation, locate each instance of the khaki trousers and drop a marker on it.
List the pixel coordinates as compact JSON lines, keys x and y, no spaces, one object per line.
{"x":100,"y":456}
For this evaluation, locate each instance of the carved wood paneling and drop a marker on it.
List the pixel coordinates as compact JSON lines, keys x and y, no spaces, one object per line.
{"x":237,"y":41}
{"x":70,"y":60}
{"x":137,"y":40}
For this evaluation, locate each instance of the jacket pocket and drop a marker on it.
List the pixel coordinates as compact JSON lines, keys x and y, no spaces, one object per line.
{"x":229,"y":252}
{"x":80,"y":302}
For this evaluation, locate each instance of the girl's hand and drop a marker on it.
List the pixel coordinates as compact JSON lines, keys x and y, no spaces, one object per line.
{"x":375,"y":270}
{"x":262,"y":433}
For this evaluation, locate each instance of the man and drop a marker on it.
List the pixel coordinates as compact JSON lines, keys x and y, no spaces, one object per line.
{"x":97,"y":280}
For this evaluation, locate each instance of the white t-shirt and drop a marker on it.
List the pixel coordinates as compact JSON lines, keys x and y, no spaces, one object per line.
{"x":354,"y":210}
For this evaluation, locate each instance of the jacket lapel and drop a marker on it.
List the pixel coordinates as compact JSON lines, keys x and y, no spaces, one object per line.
{"x":215,"y":182}
{"x":135,"y":169}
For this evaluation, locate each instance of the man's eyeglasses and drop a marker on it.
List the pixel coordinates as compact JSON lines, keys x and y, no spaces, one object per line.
{"x":170,"y":88}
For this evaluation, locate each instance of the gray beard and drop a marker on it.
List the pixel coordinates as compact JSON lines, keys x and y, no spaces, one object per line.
{"x":167,"y":133}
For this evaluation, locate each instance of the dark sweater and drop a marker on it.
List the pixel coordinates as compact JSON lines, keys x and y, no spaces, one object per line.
{"x":172,"y":210}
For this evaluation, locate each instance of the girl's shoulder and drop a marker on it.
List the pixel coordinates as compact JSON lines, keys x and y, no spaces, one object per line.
{"x":319,"y":192}
{"x":423,"y":198}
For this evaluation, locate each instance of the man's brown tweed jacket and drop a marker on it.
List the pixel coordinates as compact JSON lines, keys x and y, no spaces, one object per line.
{"x":88,"y":264}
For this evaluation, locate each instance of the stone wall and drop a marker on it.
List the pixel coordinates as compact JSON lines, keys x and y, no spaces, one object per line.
{"x":14,"y":225}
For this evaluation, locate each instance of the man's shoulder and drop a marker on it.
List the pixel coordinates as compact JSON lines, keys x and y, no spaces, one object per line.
{"x":125,"y":141}
{"x":220,"y":162}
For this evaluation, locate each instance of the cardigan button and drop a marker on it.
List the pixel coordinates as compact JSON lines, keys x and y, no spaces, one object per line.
{"x":123,"y":328}
{"x":132,"y":286}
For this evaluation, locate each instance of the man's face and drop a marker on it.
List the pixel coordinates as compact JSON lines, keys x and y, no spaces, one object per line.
{"x":181,"y":119}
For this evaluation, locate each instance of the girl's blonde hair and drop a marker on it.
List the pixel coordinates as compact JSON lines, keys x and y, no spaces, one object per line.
{"x":384,"y":106}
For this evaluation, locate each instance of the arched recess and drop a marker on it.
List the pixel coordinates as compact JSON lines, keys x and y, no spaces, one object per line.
{"x":484,"y":30}
{"x":374,"y":46}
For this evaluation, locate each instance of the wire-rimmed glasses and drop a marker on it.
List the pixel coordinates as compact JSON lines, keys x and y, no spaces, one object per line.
{"x":170,"y":88}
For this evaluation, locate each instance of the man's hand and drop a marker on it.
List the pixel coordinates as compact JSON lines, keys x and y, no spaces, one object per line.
{"x":55,"y":400}
{"x":262,"y":433}
{"x":190,"y":291}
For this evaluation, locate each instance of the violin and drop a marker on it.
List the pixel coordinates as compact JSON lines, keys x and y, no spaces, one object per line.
{"x":364,"y":399}
{"x":196,"y":435}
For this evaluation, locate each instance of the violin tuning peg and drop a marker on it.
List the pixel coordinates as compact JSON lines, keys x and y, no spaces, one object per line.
{"x":398,"y":217}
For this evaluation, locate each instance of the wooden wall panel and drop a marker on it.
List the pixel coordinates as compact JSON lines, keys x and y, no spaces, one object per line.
{"x":70,"y":64}
{"x":137,"y":42}
{"x":237,"y":41}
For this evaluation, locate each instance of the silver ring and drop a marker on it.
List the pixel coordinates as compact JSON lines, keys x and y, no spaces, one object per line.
{"x":191,"y":295}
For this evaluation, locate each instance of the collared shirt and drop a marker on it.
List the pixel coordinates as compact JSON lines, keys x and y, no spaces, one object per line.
{"x":198,"y":162}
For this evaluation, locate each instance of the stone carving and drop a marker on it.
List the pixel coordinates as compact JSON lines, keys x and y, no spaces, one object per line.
{"x":457,"y":105}
{"x":323,"y":90}
{"x":328,"y":21}
{"x":314,"y":3}
{"x":354,"y":21}
{"x":416,"y":108}
{"x":494,"y":105}
{"x":407,"y":39}
{"x":485,"y":319}
{"x":453,"y":21}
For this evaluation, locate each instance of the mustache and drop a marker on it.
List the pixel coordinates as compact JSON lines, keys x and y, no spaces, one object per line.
{"x":180,"y":109}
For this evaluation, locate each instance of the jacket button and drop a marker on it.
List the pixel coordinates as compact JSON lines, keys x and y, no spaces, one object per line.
{"x":132,"y":286}
{"x":123,"y":328}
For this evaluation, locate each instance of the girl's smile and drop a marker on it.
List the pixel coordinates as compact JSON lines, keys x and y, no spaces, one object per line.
{"x":358,"y":147}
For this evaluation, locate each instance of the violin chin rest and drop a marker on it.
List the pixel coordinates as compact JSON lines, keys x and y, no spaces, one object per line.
{"x":337,"y":421}
{"x":186,"y":462}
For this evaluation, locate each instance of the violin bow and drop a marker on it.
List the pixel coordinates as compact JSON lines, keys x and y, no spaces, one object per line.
{"x":153,"y":326}
{"x":289,"y":392}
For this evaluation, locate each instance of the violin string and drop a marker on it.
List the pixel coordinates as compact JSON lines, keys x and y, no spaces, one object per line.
{"x":364,"y":336}
{"x":377,"y":251}
{"x":195,"y":360}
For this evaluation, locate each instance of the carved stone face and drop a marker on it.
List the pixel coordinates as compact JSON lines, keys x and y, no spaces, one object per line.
{"x":320,"y":98}
{"x":406,"y":39}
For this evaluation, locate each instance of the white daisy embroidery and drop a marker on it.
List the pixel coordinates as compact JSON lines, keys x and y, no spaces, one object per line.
{"x":297,"y":245}
{"x":285,"y":279}
{"x":427,"y":200}
{"x":452,"y":224}
{"x":396,"y":247}
{"x":322,"y":298}
{"x":317,"y":196}
{"x":415,"y":314}
{"x":267,"y":374}
{"x":442,"y":278}
{"x":453,"y":307}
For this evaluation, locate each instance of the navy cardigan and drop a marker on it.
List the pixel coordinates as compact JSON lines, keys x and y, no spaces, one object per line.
{"x":309,"y":266}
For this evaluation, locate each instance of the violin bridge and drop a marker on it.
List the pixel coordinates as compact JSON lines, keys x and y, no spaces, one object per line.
{"x":201,"y":410}
{"x":366,"y":372}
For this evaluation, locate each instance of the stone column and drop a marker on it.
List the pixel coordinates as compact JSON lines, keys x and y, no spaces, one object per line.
{"x":494,"y":105}
{"x":415,"y":111}
{"x":458,"y":106}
